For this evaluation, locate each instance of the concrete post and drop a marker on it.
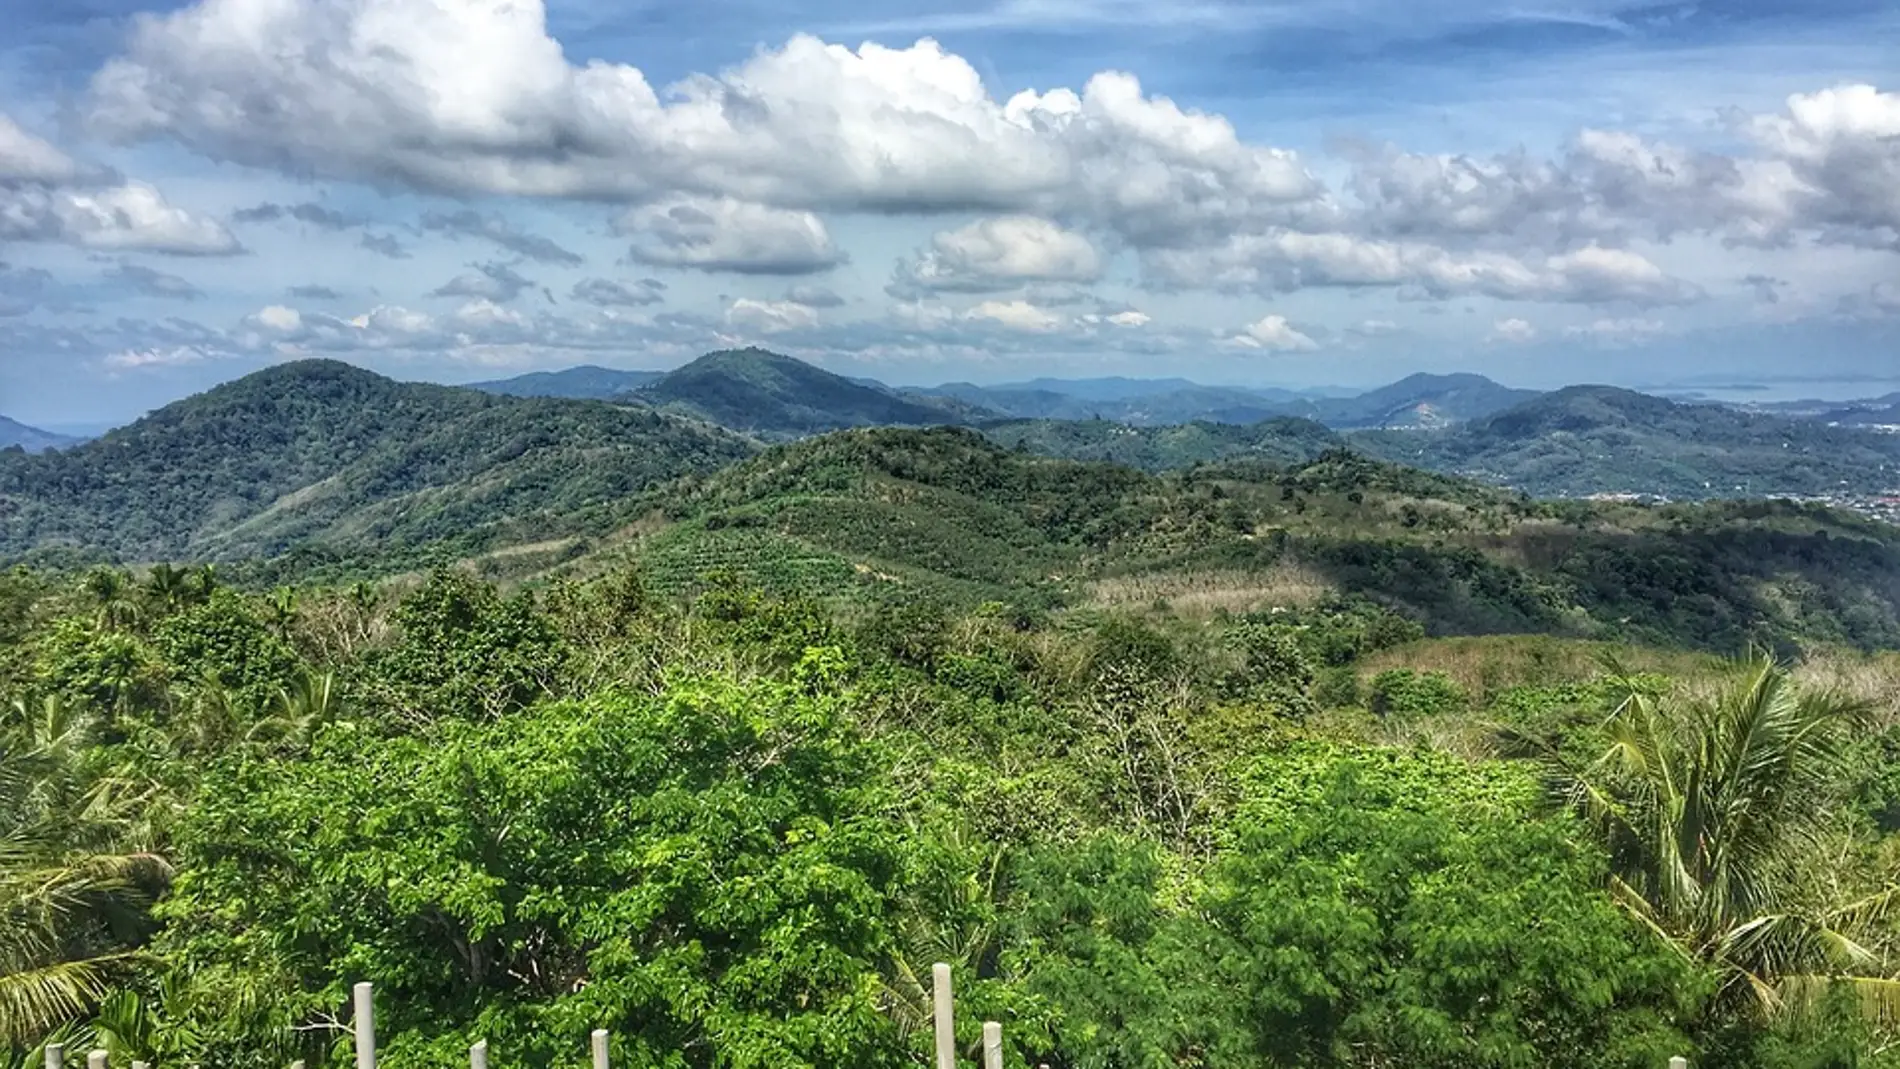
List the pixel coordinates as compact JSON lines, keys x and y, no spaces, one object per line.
{"x":600,"y":1048}
{"x":141,"y":1065}
{"x":945,"y":1016}
{"x":365,"y":1022}
{"x":55,"y":1055}
{"x":96,"y":1060}
{"x":478,"y":1055}
{"x":992,"y":1045}
{"x":1678,"y":1063}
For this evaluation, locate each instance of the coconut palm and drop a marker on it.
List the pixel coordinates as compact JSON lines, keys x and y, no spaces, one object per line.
{"x":1716,"y":807}
{"x":72,"y":911}
{"x":300,"y":710}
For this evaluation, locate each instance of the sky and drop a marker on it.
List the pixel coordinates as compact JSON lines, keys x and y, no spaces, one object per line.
{"x":1268,"y":193}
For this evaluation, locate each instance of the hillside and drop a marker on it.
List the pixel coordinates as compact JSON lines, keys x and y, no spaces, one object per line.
{"x":944,"y":512}
{"x":1166,"y":448}
{"x":31,"y":439}
{"x":767,"y":394}
{"x":1597,"y":439}
{"x":323,"y":454}
{"x":583,"y":383}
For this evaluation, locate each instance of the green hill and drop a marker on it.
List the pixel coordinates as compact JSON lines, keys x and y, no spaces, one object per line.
{"x":323,"y":453}
{"x":1166,"y":448}
{"x":14,"y":434}
{"x":1419,"y":401}
{"x":1598,"y":439}
{"x":584,"y":383}
{"x":879,"y":513}
{"x":763,"y":393}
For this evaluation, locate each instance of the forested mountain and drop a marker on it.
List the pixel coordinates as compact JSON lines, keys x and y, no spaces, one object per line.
{"x":760,"y":392}
{"x":323,"y":452}
{"x":1599,"y":439}
{"x":1418,"y":401}
{"x":585,"y":382}
{"x":944,"y":510}
{"x":31,"y":439}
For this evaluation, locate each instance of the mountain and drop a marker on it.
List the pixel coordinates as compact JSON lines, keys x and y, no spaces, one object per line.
{"x":323,"y":454}
{"x":1599,"y":439}
{"x":31,"y":439}
{"x":1167,"y":448}
{"x":763,"y":393}
{"x":578,"y":383}
{"x":1419,"y":401}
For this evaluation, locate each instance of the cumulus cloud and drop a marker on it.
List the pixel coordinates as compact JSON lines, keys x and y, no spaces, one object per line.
{"x":1284,"y":260}
{"x":1016,"y":315}
{"x":1275,"y":334}
{"x":770,"y":317}
{"x":480,"y":99}
{"x":1515,"y":331}
{"x":26,"y":158}
{"x":469,"y":223}
{"x":489,"y":281}
{"x":722,"y":234}
{"x":996,"y":254}
{"x":609,"y":293}
{"x":153,"y":283}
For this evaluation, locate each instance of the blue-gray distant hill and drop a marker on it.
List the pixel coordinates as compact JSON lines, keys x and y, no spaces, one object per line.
{"x":14,"y":434}
{"x":584,"y":383}
{"x":774,"y":396}
{"x":1600,"y":439}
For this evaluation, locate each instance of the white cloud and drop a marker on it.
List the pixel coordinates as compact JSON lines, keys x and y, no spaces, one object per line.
{"x":490,"y":282}
{"x":1274,"y":333}
{"x":1016,"y":315}
{"x":1129,"y":318}
{"x":999,"y":253}
{"x":279,"y":318}
{"x":721,"y":234}
{"x":26,"y":158}
{"x":1514,"y":331}
{"x":770,"y":317}
{"x":608,"y":293}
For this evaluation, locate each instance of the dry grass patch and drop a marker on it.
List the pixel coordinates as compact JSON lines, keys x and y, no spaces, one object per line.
{"x":1484,"y":665}
{"x":1197,"y":594}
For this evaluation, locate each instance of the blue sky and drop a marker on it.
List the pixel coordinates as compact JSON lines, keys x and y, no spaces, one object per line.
{"x":1270,"y":193}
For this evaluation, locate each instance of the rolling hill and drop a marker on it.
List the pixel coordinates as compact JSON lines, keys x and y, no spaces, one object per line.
{"x":586,"y":382}
{"x":947,"y":513}
{"x":1419,"y":401}
{"x":1598,"y":439}
{"x":323,"y":454}
{"x":775,"y":396}
{"x":30,"y":439}
{"x":1166,"y":448}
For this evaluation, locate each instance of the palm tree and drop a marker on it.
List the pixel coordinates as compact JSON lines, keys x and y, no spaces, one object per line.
{"x":110,"y":590}
{"x":1716,"y":807}
{"x":168,"y":586}
{"x":72,"y":909}
{"x":300,"y":710}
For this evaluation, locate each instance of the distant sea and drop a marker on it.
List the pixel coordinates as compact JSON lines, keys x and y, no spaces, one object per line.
{"x":1770,"y":391}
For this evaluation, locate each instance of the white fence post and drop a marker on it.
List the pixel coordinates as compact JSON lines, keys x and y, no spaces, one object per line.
{"x":600,"y":1048}
{"x":478,"y":1055}
{"x":365,"y":1024}
{"x":141,"y":1065}
{"x":96,"y":1060}
{"x":55,"y":1055}
{"x":1678,"y":1063}
{"x":992,"y":1045}
{"x":945,"y":1015}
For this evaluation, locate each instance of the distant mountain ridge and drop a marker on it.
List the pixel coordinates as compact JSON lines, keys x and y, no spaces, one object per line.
{"x":32,"y":439}
{"x":586,"y":382}
{"x":764,"y":393}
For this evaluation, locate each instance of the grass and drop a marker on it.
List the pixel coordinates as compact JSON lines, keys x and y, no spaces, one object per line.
{"x":1201,"y":594}
{"x":1484,"y":665}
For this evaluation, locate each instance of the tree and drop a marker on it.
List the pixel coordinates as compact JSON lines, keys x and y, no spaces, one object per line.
{"x":1716,"y":807}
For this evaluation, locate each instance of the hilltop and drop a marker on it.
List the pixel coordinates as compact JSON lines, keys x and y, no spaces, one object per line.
{"x":31,"y":439}
{"x":764,"y":393}
{"x":583,"y":383}
{"x":1419,"y":401}
{"x":321,"y":453}
{"x":1600,"y":439}
{"x":1283,"y":440}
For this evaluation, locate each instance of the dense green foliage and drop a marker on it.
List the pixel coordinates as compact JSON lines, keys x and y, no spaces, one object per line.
{"x":736,"y":831}
{"x":1596,"y":439}
{"x":764,"y":393}
{"x":1169,"y":447}
{"x":321,"y":452}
